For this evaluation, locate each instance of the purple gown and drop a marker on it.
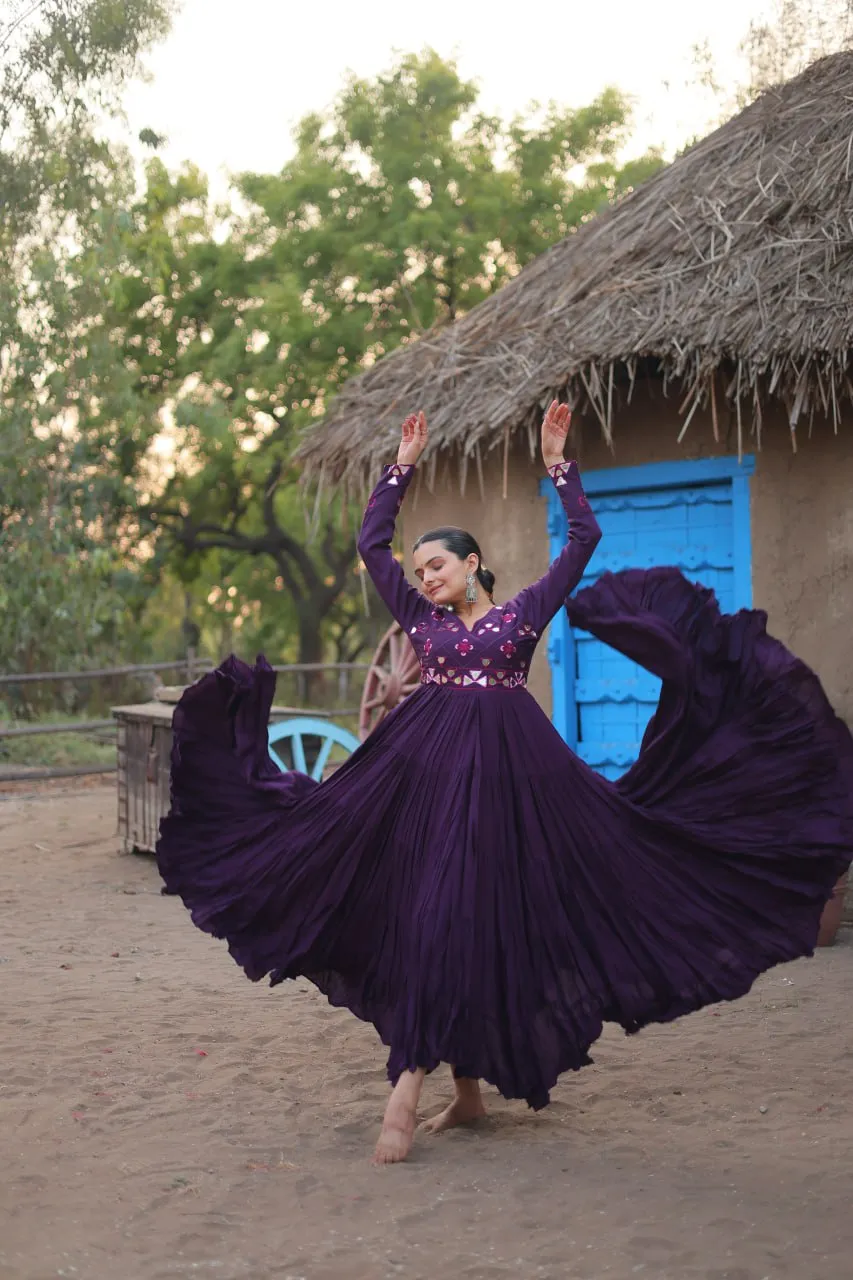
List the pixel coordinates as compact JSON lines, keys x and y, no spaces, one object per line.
{"x":472,"y":888}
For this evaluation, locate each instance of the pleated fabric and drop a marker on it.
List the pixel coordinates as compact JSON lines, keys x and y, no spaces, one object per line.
{"x":469,"y":886}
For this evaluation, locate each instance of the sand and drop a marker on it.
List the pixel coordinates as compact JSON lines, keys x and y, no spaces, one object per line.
{"x":162,"y":1117}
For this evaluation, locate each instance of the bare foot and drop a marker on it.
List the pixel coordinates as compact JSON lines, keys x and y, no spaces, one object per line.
{"x":397,"y":1136}
{"x":398,"y":1126}
{"x":462,"y":1110}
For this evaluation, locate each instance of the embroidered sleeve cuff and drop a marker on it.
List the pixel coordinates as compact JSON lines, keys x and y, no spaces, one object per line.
{"x":397,"y":471}
{"x":559,"y":471}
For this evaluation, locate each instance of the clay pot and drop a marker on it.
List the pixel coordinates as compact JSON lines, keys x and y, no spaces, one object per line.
{"x":832,"y":914}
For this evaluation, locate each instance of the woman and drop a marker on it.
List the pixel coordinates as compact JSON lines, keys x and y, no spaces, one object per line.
{"x":464,"y":881}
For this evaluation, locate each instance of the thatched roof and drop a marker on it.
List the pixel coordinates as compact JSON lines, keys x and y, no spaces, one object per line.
{"x":731,"y":271}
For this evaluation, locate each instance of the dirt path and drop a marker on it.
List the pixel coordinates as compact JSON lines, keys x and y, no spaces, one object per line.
{"x":161,"y":1117}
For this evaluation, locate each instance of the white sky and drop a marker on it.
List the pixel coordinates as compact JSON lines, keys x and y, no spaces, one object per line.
{"x":235,"y":75}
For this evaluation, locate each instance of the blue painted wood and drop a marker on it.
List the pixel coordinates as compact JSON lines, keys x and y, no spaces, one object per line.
{"x":665,"y":475}
{"x":561,"y":641}
{"x":691,"y":514}
{"x":742,"y":543}
{"x":294,"y":732}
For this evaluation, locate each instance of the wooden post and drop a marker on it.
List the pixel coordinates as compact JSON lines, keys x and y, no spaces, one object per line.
{"x":191,"y":664}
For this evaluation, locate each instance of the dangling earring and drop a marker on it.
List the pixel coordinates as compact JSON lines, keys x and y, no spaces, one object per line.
{"x":471,"y":589}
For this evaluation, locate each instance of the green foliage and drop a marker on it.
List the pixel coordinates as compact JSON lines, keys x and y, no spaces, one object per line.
{"x":70,"y":446}
{"x":399,"y":211}
{"x":160,"y":358}
{"x":57,"y":750}
{"x":59,"y":605}
{"x":405,"y":208}
{"x":62,"y":66}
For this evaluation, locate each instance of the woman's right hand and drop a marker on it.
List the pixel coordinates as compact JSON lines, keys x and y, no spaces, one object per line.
{"x":414,"y":439}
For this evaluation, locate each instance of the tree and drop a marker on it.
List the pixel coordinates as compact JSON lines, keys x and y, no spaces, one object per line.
{"x":775,"y":49}
{"x":62,"y":66}
{"x":400,"y":210}
{"x":65,"y":585}
{"x":799,"y":32}
{"x":70,"y":581}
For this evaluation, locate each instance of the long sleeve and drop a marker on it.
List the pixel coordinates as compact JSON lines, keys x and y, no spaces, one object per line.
{"x":538,"y":603}
{"x":406,"y":605}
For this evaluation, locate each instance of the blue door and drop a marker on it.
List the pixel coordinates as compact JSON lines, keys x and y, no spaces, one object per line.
{"x":691,"y":514}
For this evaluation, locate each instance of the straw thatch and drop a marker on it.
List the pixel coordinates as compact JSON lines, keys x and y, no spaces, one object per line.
{"x":729,"y":274}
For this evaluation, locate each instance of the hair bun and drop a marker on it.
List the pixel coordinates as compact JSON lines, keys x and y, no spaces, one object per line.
{"x":486,"y":579}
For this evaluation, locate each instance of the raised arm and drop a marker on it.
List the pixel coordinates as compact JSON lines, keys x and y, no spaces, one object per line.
{"x":538,"y":603}
{"x":405,"y":604}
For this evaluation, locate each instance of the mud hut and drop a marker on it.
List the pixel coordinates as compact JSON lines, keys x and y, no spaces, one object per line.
{"x":702,"y":330}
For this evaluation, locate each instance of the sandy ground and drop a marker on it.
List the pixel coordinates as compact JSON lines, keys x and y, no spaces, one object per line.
{"x":160,"y":1117}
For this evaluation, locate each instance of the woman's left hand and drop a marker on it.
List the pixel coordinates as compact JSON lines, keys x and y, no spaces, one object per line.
{"x":555,"y":429}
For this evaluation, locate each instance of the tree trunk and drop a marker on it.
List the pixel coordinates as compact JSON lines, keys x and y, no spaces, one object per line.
{"x":311,"y":685}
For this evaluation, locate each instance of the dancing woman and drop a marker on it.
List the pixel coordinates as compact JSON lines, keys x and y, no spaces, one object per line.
{"x":464,"y":881}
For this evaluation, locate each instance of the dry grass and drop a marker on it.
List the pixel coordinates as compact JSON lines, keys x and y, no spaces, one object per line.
{"x":728,"y":274}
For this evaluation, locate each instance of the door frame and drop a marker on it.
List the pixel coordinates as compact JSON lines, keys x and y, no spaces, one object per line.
{"x":619,"y":480}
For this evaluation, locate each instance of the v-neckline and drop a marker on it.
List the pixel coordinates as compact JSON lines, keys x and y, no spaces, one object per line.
{"x":482,"y":617}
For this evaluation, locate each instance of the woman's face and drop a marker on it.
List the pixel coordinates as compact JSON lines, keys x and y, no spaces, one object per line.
{"x":441,"y":573}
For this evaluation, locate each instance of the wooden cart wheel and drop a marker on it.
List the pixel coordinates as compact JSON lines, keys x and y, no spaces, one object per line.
{"x":305,"y":744}
{"x":394,"y":674}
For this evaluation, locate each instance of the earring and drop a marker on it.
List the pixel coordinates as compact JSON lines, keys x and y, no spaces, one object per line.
{"x":470,"y":589}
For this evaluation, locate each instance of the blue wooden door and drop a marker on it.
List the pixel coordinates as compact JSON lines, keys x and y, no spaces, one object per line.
{"x":694,"y":515}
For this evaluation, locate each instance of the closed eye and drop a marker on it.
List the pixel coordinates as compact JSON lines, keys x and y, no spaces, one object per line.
{"x":435,"y":565}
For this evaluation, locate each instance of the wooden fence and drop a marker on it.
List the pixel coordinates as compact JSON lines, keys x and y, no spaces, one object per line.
{"x":191,"y":667}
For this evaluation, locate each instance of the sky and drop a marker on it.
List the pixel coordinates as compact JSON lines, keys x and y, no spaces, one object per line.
{"x":236,"y":75}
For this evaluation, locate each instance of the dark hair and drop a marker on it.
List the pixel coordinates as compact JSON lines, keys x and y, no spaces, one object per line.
{"x":461,"y":544}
